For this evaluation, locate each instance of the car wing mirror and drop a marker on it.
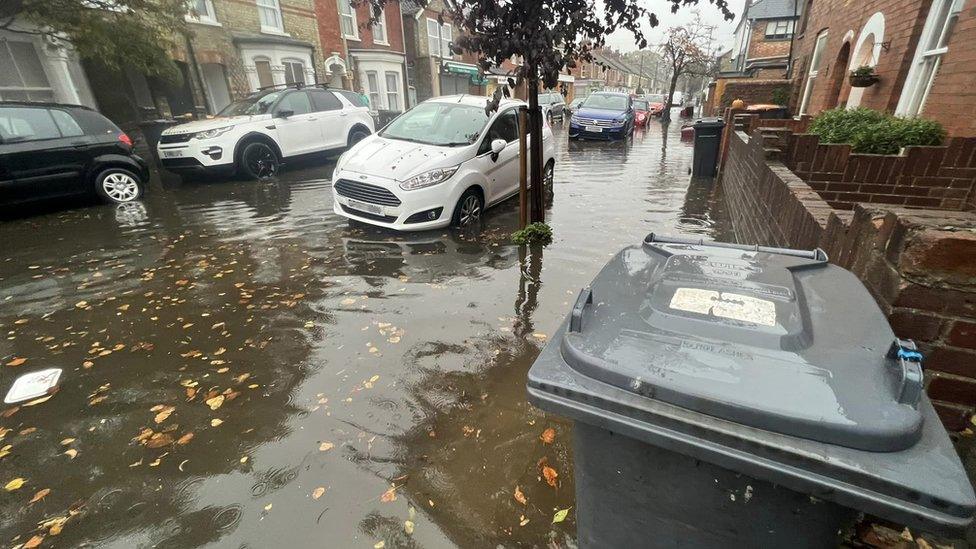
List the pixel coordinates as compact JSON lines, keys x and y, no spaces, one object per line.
{"x":497,"y":146}
{"x":285,"y":113}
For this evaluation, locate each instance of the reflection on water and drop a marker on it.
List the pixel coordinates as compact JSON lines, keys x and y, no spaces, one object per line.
{"x":304,"y":381}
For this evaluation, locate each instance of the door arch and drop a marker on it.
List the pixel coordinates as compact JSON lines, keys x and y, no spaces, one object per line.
{"x":833,"y":98}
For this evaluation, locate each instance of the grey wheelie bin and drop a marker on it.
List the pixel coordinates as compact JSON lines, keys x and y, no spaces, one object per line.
{"x":739,"y":396}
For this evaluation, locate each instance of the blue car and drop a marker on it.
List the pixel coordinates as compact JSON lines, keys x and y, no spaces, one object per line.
{"x":603,"y":115}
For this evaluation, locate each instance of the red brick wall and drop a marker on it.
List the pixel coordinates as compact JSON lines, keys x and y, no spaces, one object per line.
{"x":903,"y":25}
{"x":327,"y":14}
{"x":916,"y":263}
{"x":394,"y":28}
{"x":760,"y":46}
{"x":752,"y":91}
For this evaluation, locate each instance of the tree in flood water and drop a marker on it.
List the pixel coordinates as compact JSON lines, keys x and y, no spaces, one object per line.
{"x":686,"y":51}
{"x":548,"y":36}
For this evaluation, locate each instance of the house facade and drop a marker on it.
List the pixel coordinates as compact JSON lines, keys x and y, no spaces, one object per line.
{"x":376,"y":53}
{"x":433,"y":68}
{"x":764,"y":38}
{"x":39,"y":69}
{"x":921,"y":52}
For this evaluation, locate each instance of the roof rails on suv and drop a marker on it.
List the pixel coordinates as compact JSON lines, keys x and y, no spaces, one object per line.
{"x":294,"y":85}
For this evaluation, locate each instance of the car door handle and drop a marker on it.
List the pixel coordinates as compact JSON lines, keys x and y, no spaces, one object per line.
{"x":343,"y":113}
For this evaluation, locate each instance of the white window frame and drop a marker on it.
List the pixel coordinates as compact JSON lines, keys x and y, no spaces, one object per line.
{"x":273,"y":8}
{"x":208,"y":18}
{"x":375,"y":95}
{"x":290,"y":61}
{"x":442,"y":50}
{"x":818,"y":50}
{"x":780,"y":29}
{"x":932,"y":47}
{"x":379,"y":29}
{"x":347,"y":14}
{"x":393,"y":102}
{"x":24,"y":88}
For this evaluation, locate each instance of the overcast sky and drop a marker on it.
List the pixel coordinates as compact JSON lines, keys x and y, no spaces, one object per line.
{"x":624,"y":40}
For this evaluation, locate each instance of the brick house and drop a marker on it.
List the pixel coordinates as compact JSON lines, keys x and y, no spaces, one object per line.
{"x":923,"y":53}
{"x":763,"y":38}
{"x":36,"y":70}
{"x":432,"y":68}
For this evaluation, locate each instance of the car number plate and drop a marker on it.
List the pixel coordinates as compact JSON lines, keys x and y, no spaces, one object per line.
{"x":172,"y":154}
{"x":365,"y":207}
{"x":594,"y":129}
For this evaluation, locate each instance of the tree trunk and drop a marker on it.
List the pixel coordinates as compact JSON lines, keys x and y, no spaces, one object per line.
{"x":535,"y":151}
{"x":666,"y":113}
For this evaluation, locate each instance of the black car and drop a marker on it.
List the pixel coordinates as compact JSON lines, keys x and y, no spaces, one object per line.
{"x":49,"y":150}
{"x":553,"y":105}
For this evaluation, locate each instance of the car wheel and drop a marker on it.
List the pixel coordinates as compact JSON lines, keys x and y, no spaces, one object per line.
{"x":549,"y":117}
{"x":469,"y":209}
{"x":547,"y":174}
{"x":118,"y":186}
{"x":259,"y":161}
{"x":357,"y":135}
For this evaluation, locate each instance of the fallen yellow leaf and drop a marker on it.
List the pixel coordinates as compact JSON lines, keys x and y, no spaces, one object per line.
{"x":550,"y":475}
{"x":408,"y":527}
{"x":14,"y":484}
{"x":185,"y":439}
{"x":41,"y":494}
{"x":17,"y":362}
{"x":71,"y":453}
{"x":548,"y":436}
{"x":67,"y":441}
{"x":519,"y":496}
{"x":318,"y":492}
{"x":215,"y":402}
{"x":379,"y":545}
{"x":215,"y":422}
{"x":35,"y":541}
{"x":560,"y":515}
{"x":389,"y":495}
{"x":326,"y":446}
{"x":163,"y":414}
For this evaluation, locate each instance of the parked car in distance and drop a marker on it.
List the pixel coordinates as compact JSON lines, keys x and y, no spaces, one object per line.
{"x":49,"y":150}
{"x":642,"y":112}
{"x":553,"y":106}
{"x":655,"y":103}
{"x":440,"y":163}
{"x":254,"y":136}
{"x":604,"y":115}
{"x":574,"y":104}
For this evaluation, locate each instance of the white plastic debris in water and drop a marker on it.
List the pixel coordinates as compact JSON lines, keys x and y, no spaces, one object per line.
{"x":33,"y":385}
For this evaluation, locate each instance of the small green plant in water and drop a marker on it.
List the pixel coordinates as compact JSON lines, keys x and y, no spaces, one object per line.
{"x":533,"y":233}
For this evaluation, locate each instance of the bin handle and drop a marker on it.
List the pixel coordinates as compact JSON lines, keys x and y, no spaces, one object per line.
{"x":909,"y":361}
{"x":584,"y":298}
{"x":815,"y":254}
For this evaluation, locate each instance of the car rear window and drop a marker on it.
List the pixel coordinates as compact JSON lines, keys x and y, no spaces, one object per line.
{"x":354,"y":98}
{"x":94,"y":123}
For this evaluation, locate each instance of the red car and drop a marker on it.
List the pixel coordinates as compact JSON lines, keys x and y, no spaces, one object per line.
{"x":656,"y":103}
{"x":642,"y":113}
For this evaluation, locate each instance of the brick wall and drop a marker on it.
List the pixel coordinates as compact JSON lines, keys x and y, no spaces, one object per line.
{"x":394,"y":28}
{"x":750,"y":90}
{"x":760,"y":46}
{"x":953,"y":95}
{"x":916,"y":263}
{"x":330,"y":33}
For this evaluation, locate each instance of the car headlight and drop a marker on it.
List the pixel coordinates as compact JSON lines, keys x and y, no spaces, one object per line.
{"x":210,"y":134}
{"x":428,"y":179}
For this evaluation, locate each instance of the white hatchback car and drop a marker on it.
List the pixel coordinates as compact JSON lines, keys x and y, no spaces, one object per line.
{"x":253,"y":136}
{"x":440,"y":163}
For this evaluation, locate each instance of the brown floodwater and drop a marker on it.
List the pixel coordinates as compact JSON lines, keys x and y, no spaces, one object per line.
{"x":243,"y":368}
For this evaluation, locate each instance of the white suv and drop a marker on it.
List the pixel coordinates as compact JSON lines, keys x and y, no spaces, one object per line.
{"x":440,"y":163}
{"x":253,"y":136}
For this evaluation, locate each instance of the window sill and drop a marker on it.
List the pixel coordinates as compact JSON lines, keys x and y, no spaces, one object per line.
{"x":381,"y":42}
{"x":274,"y":32}
{"x":353,"y":38}
{"x":207,"y":22}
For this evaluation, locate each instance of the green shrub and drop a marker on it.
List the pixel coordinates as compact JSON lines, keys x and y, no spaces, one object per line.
{"x":863,"y":70}
{"x":780,"y":96}
{"x":533,"y":233}
{"x":870,"y":131}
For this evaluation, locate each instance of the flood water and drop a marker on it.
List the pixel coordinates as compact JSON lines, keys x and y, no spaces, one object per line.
{"x":243,"y":368}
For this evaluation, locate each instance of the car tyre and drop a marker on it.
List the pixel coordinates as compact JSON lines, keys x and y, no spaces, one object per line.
{"x":547,"y":174}
{"x":549,"y":117}
{"x":118,"y":186}
{"x":259,"y":161}
{"x":469,"y":209}
{"x":357,"y":135}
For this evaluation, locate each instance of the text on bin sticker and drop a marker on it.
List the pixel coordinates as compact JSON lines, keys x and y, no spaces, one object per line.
{"x":725,"y":305}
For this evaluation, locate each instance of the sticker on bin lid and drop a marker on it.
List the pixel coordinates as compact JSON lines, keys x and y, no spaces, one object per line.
{"x":33,"y":385}
{"x":728,"y":305}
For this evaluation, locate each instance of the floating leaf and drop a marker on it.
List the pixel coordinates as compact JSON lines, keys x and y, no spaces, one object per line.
{"x":158,"y":440}
{"x":379,"y":545}
{"x":318,"y":492}
{"x":17,"y":361}
{"x":215,"y":402}
{"x":408,"y":527}
{"x":185,"y":439}
{"x":5,"y":451}
{"x":519,"y":496}
{"x":71,"y":453}
{"x":163,"y":414}
{"x":14,"y":484}
{"x":216,"y":422}
{"x":268,"y":507}
{"x":548,"y":436}
{"x":67,"y":441}
{"x":560,"y":515}
{"x":523,"y":521}
{"x":550,"y":475}
{"x":389,"y":495}
{"x":34,"y":542}
{"x":41,"y":494}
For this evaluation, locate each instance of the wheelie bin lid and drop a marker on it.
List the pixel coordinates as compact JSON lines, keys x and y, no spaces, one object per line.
{"x":709,"y":123}
{"x":776,"y":353}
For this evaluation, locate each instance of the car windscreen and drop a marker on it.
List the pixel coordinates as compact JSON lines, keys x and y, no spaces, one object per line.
{"x":640,"y":105}
{"x":437,"y":123}
{"x":255,"y":104}
{"x":607,"y":102}
{"x":655,"y":98}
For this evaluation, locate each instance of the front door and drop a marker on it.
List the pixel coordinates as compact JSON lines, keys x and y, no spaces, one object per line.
{"x":501,"y":172}
{"x":298,"y":126}
{"x":39,"y":161}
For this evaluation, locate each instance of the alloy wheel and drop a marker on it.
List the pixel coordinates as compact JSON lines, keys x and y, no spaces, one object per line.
{"x":547,"y":176}
{"x":470,"y":210}
{"x":120,"y":187}
{"x":262,"y":162}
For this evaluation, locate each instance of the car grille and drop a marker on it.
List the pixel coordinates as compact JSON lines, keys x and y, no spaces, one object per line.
{"x":175,"y":138}
{"x":367,"y":215}
{"x":181,"y":163}
{"x":366,"y":193}
{"x":595,"y":122}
